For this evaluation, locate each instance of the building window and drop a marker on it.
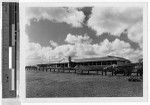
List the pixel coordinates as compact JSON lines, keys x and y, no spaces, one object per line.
{"x":98,"y":63}
{"x":85,"y":64}
{"x":103,"y":63}
{"x":90,"y":63}
{"x":109,"y":63}
{"x":114,"y":62}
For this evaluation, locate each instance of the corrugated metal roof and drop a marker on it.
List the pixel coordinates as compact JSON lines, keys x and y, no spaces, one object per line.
{"x":107,"y":58}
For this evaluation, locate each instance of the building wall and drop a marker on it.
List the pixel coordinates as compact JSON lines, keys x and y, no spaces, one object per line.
{"x":103,"y":63}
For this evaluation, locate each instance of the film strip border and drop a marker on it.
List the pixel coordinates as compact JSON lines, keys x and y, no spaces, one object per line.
{"x":10,"y":48}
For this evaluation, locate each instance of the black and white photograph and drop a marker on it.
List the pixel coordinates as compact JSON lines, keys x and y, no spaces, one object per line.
{"x":83,"y":51}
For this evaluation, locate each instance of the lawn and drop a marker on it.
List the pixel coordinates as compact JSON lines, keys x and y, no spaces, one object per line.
{"x":52,"y":84}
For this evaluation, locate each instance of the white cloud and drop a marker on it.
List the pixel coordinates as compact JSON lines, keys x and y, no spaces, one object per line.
{"x":116,"y":19}
{"x":106,"y":47}
{"x":33,"y":54}
{"x":113,"y":20}
{"x":78,"y":39}
{"x":63,"y":51}
{"x":53,"y":44}
{"x":38,"y":54}
{"x":119,"y":45}
{"x":56,"y":14}
{"x":136,"y":33}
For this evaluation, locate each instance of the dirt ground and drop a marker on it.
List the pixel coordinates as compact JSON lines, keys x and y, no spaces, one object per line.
{"x":50,"y":84}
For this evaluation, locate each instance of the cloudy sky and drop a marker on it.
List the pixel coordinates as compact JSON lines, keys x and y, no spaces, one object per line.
{"x":54,"y":33}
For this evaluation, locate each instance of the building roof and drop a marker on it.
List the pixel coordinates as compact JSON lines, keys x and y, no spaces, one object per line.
{"x":107,"y":58}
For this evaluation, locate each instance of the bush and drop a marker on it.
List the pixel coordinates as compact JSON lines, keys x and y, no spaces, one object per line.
{"x":135,"y":79}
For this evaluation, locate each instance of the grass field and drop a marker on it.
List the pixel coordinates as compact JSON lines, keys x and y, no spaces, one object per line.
{"x":50,"y":84}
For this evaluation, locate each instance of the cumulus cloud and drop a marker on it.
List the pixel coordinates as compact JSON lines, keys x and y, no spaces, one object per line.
{"x":37,"y":54}
{"x":136,"y":33}
{"x":106,"y":19}
{"x":116,"y":19}
{"x":120,"y":48}
{"x":78,"y":39}
{"x":53,"y":44}
{"x":56,"y":14}
{"x":107,"y":48}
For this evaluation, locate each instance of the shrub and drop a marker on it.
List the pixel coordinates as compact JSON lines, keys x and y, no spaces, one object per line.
{"x":135,"y":79}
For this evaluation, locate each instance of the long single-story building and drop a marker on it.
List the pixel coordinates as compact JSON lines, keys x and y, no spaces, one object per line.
{"x":98,"y":64}
{"x":108,"y":60}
